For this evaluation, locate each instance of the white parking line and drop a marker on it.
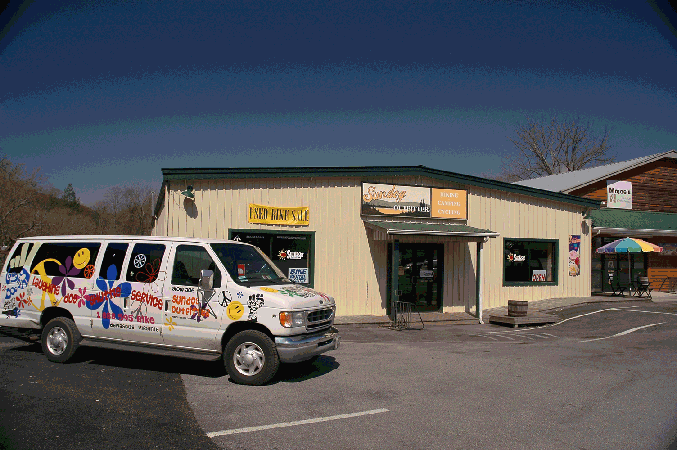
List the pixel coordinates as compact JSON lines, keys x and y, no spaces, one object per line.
{"x":291,"y":424}
{"x":625,"y":332}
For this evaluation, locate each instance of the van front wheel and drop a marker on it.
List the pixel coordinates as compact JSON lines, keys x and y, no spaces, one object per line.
{"x":251,"y":358}
{"x":60,"y":339}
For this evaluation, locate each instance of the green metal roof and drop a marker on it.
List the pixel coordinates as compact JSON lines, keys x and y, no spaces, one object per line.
{"x":434,"y":229}
{"x":366,"y":172}
{"x":625,"y":219}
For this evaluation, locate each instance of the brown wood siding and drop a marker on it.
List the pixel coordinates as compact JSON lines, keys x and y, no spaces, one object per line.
{"x":653,"y":186}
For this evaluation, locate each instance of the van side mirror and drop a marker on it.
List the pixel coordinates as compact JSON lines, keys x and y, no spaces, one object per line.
{"x":206,"y":279}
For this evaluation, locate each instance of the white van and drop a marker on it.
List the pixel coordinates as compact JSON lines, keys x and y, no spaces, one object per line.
{"x":195,"y":296}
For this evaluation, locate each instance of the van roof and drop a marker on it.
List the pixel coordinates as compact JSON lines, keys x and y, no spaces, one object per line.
{"x":89,"y":237}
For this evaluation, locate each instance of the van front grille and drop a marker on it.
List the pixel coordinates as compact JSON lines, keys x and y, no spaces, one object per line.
{"x":319,"y":318}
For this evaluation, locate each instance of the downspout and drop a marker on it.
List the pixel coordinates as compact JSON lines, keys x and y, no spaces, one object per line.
{"x":478,"y":280}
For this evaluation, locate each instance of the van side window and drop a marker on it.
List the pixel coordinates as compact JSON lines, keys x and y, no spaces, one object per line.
{"x":66,"y":259}
{"x":113,"y":256}
{"x":144,"y":265}
{"x":189,"y":260}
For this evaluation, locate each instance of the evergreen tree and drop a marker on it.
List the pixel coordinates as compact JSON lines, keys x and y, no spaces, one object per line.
{"x":69,"y":196}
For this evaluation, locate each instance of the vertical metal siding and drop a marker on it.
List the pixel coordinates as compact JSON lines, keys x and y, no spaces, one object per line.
{"x":351,"y":261}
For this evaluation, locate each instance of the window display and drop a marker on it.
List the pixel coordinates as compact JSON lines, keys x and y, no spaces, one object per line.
{"x":530,"y":261}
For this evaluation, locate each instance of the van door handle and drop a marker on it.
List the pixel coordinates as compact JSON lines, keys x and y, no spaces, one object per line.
{"x":166,"y":305}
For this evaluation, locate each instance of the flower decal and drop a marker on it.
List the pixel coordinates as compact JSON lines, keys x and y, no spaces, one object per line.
{"x":149,"y":272}
{"x":106,"y":296}
{"x":82,"y":298}
{"x":67,"y":271}
{"x":170,"y":323}
{"x":22,"y":300}
{"x":199,"y":313}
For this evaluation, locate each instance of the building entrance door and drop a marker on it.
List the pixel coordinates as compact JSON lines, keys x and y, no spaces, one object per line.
{"x":420,"y":277}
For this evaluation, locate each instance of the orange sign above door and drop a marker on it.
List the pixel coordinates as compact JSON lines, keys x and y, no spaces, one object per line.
{"x":449,"y":204}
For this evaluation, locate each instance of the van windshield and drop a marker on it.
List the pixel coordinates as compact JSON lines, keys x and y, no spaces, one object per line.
{"x":247,"y":265}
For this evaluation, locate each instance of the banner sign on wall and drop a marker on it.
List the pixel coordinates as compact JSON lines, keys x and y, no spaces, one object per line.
{"x":413,"y":201}
{"x":574,"y":255}
{"x":619,"y":194}
{"x":271,"y":215}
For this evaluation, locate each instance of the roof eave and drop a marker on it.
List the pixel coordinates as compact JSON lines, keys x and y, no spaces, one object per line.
{"x":373,"y":171}
{"x":625,"y":169}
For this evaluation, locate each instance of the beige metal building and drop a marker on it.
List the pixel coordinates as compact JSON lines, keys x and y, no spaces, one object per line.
{"x":370,"y":236}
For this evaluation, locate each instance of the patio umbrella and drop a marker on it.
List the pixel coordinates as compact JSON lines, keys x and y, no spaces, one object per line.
{"x":629,"y":245}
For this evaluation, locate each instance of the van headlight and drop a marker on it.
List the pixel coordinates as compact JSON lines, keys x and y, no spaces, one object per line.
{"x":293,"y":319}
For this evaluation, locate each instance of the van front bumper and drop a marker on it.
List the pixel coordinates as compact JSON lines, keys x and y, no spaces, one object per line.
{"x":300,"y":348}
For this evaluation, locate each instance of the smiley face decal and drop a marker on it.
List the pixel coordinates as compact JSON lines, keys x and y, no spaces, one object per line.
{"x":235,"y":310}
{"x":81,"y":258}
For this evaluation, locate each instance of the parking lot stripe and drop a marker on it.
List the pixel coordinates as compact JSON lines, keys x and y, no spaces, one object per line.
{"x":291,"y":424}
{"x":625,"y":332}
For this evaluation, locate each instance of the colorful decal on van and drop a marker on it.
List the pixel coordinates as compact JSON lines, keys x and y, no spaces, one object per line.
{"x":254,"y":303}
{"x":15,"y":296}
{"x":67,"y":271}
{"x":149,"y":271}
{"x":105,"y":297}
{"x":170,"y":323}
{"x":45,"y":284}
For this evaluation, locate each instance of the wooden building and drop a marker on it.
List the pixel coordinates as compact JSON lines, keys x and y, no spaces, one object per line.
{"x":370,"y":236}
{"x":639,"y":199}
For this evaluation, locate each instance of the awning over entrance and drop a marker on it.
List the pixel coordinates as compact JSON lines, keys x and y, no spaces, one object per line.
{"x":428,"y":229}
{"x":624,"y":222}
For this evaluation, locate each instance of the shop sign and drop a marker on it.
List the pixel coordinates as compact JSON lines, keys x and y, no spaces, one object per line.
{"x":538,"y":275}
{"x":271,"y":215}
{"x":413,"y":201}
{"x":298,"y":274}
{"x":288,"y":254}
{"x":513,"y":257}
{"x":449,"y":204}
{"x":619,"y":194}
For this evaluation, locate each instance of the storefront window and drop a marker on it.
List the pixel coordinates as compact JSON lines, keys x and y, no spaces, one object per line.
{"x":292,"y":252}
{"x":532,"y":261}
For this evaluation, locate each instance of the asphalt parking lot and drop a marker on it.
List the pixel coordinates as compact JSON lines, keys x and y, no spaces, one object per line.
{"x":587,"y":382}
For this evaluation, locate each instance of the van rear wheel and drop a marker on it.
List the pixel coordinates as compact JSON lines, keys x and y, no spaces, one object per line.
{"x":251,"y":358}
{"x":60,"y":339}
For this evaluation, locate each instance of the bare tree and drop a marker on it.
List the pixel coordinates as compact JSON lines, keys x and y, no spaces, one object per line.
{"x":20,"y":210}
{"x":548,"y":148}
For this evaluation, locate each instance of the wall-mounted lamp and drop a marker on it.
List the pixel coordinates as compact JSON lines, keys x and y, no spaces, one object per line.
{"x":188,"y":193}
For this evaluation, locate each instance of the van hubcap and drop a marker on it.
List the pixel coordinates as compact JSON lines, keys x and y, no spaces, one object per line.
{"x":249,"y":359}
{"x":57,"y":340}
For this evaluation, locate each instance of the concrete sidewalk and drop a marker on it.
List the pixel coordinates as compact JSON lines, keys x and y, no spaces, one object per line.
{"x":539,"y":305}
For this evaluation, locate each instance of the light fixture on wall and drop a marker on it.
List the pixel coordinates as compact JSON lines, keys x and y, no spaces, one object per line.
{"x":188,"y":193}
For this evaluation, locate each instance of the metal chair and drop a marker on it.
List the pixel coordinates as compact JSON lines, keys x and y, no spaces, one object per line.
{"x":617,"y":287}
{"x":643,"y":287}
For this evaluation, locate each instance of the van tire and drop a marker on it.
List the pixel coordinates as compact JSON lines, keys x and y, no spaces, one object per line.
{"x":60,"y":339}
{"x":250,"y":357}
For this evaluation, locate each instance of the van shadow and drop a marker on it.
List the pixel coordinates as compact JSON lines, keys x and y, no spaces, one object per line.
{"x":297,"y":372}
{"x":131,"y":360}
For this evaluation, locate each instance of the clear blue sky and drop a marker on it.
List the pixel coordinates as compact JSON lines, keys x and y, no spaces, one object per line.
{"x":107,"y":93}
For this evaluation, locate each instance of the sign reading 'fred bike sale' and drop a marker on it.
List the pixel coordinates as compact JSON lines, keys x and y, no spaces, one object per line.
{"x":272,"y":215}
{"x":413,"y":201}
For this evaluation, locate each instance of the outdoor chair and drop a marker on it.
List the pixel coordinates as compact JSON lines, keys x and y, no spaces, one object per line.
{"x":618,"y":287}
{"x":643,"y":287}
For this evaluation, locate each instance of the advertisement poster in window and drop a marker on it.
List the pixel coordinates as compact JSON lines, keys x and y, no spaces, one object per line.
{"x":574,"y":255}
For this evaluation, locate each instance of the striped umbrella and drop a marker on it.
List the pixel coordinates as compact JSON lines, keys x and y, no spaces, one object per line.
{"x":629,"y":245}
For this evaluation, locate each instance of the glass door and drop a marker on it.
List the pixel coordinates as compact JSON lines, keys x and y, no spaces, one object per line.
{"x":420,"y":275}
